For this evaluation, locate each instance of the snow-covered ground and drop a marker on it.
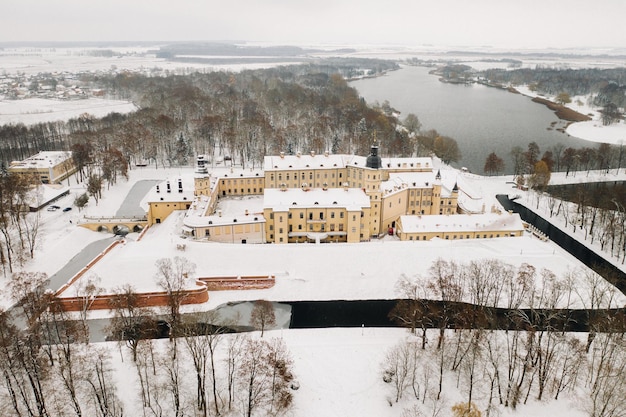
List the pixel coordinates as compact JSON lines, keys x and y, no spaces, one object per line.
{"x":338,"y":369}
{"x":592,"y":130}
{"x":38,"y":110}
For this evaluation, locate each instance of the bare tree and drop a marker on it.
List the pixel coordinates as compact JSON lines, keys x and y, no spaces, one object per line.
{"x":254,"y":376}
{"x":400,"y":369}
{"x":202,"y":339}
{"x":281,"y":373}
{"x":173,"y":276}
{"x":102,"y":391}
{"x":262,"y":315}
{"x":234,"y":353}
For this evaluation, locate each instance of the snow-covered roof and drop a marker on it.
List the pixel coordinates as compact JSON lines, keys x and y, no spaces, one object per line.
{"x":223,"y":219}
{"x":407,"y":163}
{"x":350,"y":198}
{"x":399,"y":180}
{"x":44,"y":159}
{"x":237,"y":173}
{"x":328,"y":160}
{"x":305,"y":161}
{"x":410,"y":179}
{"x":45,"y":193}
{"x":462,"y":222}
{"x":176,"y":193}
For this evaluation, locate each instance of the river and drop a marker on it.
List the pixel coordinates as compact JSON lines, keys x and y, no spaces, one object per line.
{"x":481,"y":119}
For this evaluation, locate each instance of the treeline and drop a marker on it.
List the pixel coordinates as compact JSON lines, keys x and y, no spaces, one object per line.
{"x":594,"y":211}
{"x":606,"y":85}
{"x":559,"y":158}
{"x":505,"y":369}
{"x":246,"y":115}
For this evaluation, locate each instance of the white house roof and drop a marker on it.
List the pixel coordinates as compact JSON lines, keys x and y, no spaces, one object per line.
{"x":305,"y":161}
{"x":44,"y":159}
{"x":282,"y":200}
{"x":180,"y":189}
{"x":407,"y":163}
{"x":191,"y":220}
{"x":328,"y":161}
{"x":462,"y":223}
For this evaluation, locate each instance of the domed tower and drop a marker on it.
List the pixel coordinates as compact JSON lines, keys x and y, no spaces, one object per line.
{"x":202,"y":179}
{"x":373,"y":160}
{"x":373,"y":177}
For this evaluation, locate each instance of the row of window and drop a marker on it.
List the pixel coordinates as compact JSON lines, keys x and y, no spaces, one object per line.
{"x":322,"y":228}
{"x":234,"y":191}
{"x":241,"y":181}
{"x":311,"y":215}
{"x":454,"y":237}
{"x":303,"y":176}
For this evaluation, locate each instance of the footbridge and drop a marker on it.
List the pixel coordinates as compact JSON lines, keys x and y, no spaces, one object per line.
{"x":115,"y":225}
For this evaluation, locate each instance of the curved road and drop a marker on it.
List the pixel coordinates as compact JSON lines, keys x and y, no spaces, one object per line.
{"x":131,"y":207}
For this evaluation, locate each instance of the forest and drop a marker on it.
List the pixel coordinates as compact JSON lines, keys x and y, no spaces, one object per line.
{"x":605,"y":85}
{"x":246,"y":115}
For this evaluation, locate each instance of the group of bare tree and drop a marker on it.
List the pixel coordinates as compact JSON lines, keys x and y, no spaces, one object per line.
{"x":49,"y":369}
{"x":596,"y":212}
{"x":506,"y":368}
{"x":19,"y":227}
{"x":233,"y":373}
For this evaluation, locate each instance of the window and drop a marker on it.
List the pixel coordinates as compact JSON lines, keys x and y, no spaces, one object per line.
{"x":310,"y":216}
{"x":271,"y":227}
{"x":341,"y":215}
{"x":301,"y":215}
{"x":332,"y":214}
{"x":271,"y":216}
{"x":280,"y":230}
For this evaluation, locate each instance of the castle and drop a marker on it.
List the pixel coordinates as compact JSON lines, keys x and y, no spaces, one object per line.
{"x":330,"y":198}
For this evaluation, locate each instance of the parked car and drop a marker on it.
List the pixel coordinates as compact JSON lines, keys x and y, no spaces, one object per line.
{"x":56,"y":207}
{"x":67,"y":209}
{"x":52,"y":208}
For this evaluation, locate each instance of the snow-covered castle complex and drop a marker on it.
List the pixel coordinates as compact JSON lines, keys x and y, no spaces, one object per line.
{"x":330,"y":198}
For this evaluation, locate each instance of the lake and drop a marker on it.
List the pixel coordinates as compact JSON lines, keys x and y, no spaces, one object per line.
{"x":481,"y":119}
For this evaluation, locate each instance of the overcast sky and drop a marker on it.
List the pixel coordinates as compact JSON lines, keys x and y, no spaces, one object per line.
{"x":498,"y":23}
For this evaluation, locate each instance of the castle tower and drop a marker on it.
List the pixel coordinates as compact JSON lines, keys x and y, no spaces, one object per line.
{"x":373,"y":160}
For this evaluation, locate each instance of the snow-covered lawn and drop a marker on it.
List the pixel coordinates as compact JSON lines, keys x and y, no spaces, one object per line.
{"x":38,"y":110}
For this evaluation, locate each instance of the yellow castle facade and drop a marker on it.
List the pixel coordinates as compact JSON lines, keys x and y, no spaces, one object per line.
{"x":322,"y":198}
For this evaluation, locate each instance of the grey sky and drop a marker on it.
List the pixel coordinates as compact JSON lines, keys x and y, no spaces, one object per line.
{"x":499,"y":23}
